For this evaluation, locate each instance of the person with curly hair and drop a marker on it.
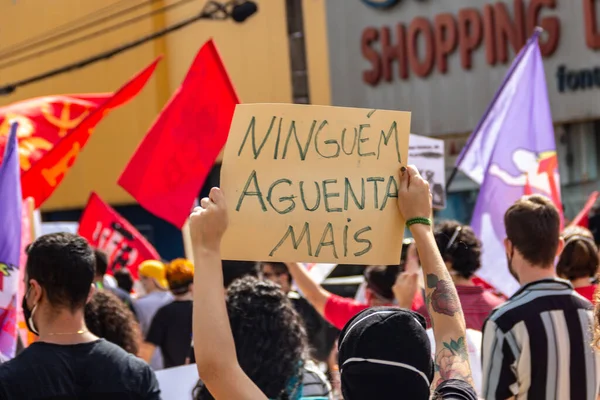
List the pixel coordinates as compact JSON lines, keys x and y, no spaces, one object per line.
{"x":579,"y":260}
{"x":107,"y":317}
{"x":404,"y":368}
{"x":171,"y":327}
{"x":270,"y":340}
{"x":317,"y":329}
{"x":461,"y":251}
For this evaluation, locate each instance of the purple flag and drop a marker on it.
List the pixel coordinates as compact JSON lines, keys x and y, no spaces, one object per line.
{"x":511,"y":153}
{"x":10,"y":242}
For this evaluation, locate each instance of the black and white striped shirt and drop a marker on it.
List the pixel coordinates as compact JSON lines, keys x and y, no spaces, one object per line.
{"x":538,"y":345}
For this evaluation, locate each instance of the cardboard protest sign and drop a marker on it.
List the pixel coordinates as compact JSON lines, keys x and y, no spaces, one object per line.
{"x":427,"y":155}
{"x":314,"y":184}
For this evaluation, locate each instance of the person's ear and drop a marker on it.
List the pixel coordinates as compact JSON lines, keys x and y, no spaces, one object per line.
{"x":35,"y":293}
{"x":368,"y":295}
{"x":91,"y":293}
{"x":561,"y":246}
{"x":507,"y":246}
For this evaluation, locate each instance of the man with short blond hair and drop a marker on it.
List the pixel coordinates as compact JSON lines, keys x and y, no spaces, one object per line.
{"x":537,"y":345}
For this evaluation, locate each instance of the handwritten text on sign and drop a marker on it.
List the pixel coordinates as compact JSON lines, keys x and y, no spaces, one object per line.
{"x":314,"y":184}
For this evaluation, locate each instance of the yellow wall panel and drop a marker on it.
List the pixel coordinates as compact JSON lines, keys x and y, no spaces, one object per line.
{"x":256,"y":54}
{"x":317,"y":51}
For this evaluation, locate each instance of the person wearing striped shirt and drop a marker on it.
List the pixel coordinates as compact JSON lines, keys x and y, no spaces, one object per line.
{"x":538,"y":344}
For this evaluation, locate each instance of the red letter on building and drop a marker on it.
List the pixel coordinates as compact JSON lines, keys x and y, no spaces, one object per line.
{"x":508,"y":31}
{"x":550,"y":24}
{"x":445,"y":40}
{"x":592,"y":37}
{"x":422,"y":26}
{"x":390,"y":52}
{"x":372,"y":76}
{"x":470,"y":33}
{"x":490,"y":41}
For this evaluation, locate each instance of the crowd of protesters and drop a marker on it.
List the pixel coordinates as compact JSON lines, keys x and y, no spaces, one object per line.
{"x":427,"y":328}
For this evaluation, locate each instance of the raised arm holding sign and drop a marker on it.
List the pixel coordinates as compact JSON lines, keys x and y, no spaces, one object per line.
{"x":314,"y":184}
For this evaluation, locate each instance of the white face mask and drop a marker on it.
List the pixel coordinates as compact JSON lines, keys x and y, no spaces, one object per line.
{"x":138,"y":288}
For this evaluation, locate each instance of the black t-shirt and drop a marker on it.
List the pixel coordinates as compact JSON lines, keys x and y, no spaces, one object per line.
{"x":317,"y":328}
{"x":454,"y":389}
{"x":171,"y":330}
{"x":94,"y":370}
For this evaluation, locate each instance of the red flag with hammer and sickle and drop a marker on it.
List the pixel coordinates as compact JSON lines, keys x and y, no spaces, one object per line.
{"x":43,"y":121}
{"x":53,"y":130}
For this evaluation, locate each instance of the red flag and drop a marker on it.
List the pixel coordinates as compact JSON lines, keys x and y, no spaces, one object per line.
{"x":582,"y":218}
{"x":169,"y":167}
{"x":106,"y":230}
{"x":45,"y":175}
{"x":43,"y":121}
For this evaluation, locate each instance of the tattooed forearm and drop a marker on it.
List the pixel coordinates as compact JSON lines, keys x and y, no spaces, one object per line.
{"x":452,"y":361}
{"x":443,"y":298}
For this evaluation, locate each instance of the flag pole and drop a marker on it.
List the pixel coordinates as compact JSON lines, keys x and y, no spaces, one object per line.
{"x":536,"y":33}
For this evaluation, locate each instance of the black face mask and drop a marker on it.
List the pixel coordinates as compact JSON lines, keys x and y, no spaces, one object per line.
{"x":28,"y":314}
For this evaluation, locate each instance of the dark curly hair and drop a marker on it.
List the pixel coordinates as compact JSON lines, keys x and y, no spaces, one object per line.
{"x":464,"y":252}
{"x":579,"y":258}
{"x":106,"y":316}
{"x":270,"y":339}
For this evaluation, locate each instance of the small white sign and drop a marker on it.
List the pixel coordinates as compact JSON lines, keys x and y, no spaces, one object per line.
{"x":177,"y":383}
{"x":59,"y":227}
{"x":427,"y":155}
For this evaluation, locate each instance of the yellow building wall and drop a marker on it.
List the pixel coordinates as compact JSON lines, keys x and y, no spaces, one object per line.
{"x":255,"y":53}
{"x":317,"y":51}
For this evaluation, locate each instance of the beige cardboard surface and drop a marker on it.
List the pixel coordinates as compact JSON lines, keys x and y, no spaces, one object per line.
{"x":314,"y":184}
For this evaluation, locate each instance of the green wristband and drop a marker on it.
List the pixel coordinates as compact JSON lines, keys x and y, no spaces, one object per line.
{"x":418,"y":220}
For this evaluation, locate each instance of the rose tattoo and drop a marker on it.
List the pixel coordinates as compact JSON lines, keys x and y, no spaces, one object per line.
{"x":443,"y":299}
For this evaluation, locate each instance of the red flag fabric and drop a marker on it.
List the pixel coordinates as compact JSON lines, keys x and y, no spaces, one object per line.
{"x":45,"y":174}
{"x":582,"y":218}
{"x":169,"y":167}
{"x":106,"y":230}
{"x":43,"y":121}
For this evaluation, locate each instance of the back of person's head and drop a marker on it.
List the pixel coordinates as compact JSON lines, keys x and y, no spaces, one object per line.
{"x":269,"y":337}
{"x":385,"y":353}
{"x":579,"y":258}
{"x":533,"y":227}
{"x":101,"y":262}
{"x":459,"y":246}
{"x":63,"y":265}
{"x":124,"y":279}
{"x":180,"y":276}
{"x":233,"y":270}
{"x":380,"y":279}
{"x":106,"y":316}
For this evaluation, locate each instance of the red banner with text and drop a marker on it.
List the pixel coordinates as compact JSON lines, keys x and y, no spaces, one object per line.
{"x":106,"y":230}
